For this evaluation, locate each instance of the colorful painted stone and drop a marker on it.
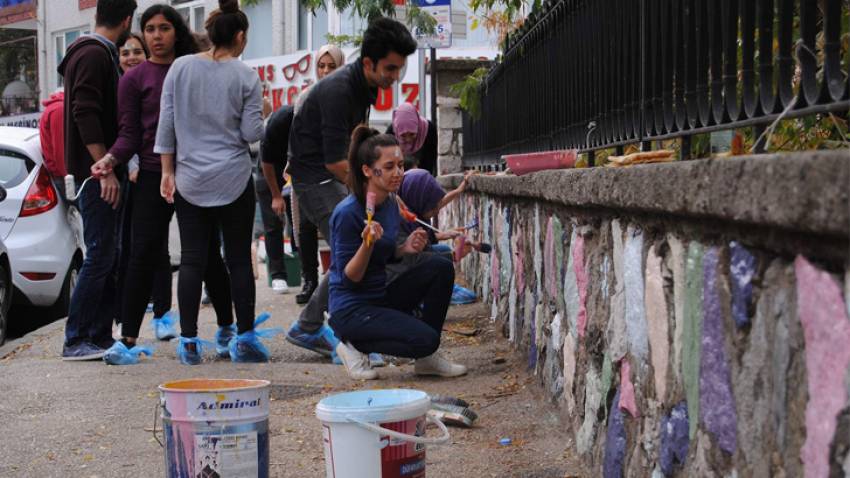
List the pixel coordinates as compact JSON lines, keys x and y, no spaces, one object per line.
{"x":617,"y":341}
{"x":692,"y":332}
{"x":656,"y":315}
{"x":592,"y":400}
{"x":615,"y":442}
{"x":717,"y":405}
{"x":635,"y":308}
{"x":549,"y":260}
{"x":826,"y":329}
{"x":571,"y":294}
{"x":674,"y":439}
{"x":627,"y":389}
{"x":581,"y":281}
{"x":742,"y":268}
{"x":569,"y":370}
{"x":677,"y":266}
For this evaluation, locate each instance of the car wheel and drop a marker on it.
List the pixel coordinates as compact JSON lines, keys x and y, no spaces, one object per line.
{"x":5,"y":300}
{"x":60,"y":309}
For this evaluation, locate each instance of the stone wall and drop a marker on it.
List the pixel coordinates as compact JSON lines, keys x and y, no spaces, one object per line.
{"x":690,"y":319}
{"x":449,"y":119}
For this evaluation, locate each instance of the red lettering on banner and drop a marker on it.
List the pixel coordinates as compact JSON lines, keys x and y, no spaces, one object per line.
{"x":385,"y":99}
{"x":410,"y":93}
{"x":291,"y":95}
{"x":277,"y":98}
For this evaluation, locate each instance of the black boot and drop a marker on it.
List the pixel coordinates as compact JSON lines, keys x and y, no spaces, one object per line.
{"x":306,"y":292}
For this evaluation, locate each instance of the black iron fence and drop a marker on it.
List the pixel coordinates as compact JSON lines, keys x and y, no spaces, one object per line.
{"x":593,"y":74}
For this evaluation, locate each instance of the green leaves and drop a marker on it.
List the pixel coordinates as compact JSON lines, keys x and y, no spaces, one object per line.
{"x":469,"y":92}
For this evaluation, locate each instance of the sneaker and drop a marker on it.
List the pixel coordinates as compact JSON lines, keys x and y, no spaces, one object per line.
{"x":356,"y":363}
{"x":279,"y":286}
{"x":149,"y":308}
{"x":436,"y":364}
{"x":246,"y":348}
{"x":376,"y":360}
{"x":322,"y":341}
{"x":163,"y":327}
{"x":222,"y":340}
{"x":119,"y":354}
{"x":462,"y":295}
{"x":190,"y":350}
{"x":205,"y":298}
{"x":81,"y":352}
{"x":306,"y":292}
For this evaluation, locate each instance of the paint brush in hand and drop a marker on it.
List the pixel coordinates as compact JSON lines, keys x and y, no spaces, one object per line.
{"x":370,"y":212}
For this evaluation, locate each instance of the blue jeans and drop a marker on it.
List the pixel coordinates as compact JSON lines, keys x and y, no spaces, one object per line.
{"x":388,"y":326}
{"x":93,"y":303}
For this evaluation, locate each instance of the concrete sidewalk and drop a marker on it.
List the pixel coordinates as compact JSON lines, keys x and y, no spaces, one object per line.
{"x":90,"y":419}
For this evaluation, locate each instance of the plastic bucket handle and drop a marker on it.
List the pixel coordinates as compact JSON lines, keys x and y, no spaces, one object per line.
{"x":403,"y":436}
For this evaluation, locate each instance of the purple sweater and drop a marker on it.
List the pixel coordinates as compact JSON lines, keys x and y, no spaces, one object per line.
{"x":138,"y":114}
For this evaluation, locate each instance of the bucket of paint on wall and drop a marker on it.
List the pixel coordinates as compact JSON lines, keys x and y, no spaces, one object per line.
{"x":216,"y":427}
{"x":377,"y":433}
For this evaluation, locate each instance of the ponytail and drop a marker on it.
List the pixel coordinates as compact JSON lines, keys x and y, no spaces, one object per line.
{"x":363,"y":150}
{"x":223,"y":24}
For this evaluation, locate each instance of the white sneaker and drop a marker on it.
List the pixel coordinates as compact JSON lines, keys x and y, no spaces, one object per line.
{"x":356,"y":363}
{"x":436,"y":364}
{"x":279,"y":286}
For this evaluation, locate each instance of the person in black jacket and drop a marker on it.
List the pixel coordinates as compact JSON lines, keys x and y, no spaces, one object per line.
{"x":273,"y":148}
{"x":319,"y":140}
{"x":91,"y":71}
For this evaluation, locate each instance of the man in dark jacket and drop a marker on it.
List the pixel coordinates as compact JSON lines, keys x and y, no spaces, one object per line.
{"x":273,"y":150}
{"x":91,"y":73}
{"x":318,"y":141}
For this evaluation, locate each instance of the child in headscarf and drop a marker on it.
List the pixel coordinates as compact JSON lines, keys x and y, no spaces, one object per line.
{"x":417,"y":137}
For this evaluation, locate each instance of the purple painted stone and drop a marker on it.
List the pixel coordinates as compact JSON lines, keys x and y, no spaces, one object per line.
{"x":717,"y":405}
{"x":742,"y":268}
{"x":615,"y":442}
{"x":674,"y":439}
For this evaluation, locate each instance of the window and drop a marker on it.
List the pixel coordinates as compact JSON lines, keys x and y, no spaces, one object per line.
{"x":61,"y":42}
{"x":193,"y":12}
{"x":304,"y":18}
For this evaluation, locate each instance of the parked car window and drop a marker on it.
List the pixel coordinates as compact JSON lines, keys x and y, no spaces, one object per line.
{"x":14,"y":168}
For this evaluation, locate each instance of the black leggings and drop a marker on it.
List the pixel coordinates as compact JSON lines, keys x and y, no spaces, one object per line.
{"x":198,"y":226}
{"x":149,"y":249}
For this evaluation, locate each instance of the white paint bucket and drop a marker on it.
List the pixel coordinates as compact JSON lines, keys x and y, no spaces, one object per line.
{"x":216,"y":428}
{"x":377,"y":433}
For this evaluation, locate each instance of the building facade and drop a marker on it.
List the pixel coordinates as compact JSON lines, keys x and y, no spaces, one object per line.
{"x":278,"y":28}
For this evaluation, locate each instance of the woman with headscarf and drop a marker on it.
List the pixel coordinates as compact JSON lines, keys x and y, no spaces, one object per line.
{"x":417,"y":137}
{"x":328,"y":59}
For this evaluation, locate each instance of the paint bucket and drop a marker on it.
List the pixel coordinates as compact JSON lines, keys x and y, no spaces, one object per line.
{"x":216,"y":428}
{"x":377,"y":433}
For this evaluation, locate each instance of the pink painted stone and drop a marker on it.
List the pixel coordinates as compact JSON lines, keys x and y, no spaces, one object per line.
{"x":581,"y":280}
{"x":826,"y":329}
{"x":627,"y":389}
{"x":549,"y":260}
{"x":656,"y":316}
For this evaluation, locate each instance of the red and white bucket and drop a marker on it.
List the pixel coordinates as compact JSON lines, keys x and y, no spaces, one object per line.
{"x":377,"y":433}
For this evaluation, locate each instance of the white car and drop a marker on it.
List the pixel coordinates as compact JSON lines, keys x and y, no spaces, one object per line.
{"x":5,"y":284}
{"x":41,"y":232}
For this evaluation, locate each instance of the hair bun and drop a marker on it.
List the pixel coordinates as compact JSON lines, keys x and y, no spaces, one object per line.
{"x":228,"y":6}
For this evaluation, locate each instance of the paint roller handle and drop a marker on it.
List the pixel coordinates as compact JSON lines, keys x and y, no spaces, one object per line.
{"x":444,"y":438}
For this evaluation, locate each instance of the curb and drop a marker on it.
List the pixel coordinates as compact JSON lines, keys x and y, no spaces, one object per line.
{"x":43,"y":331}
